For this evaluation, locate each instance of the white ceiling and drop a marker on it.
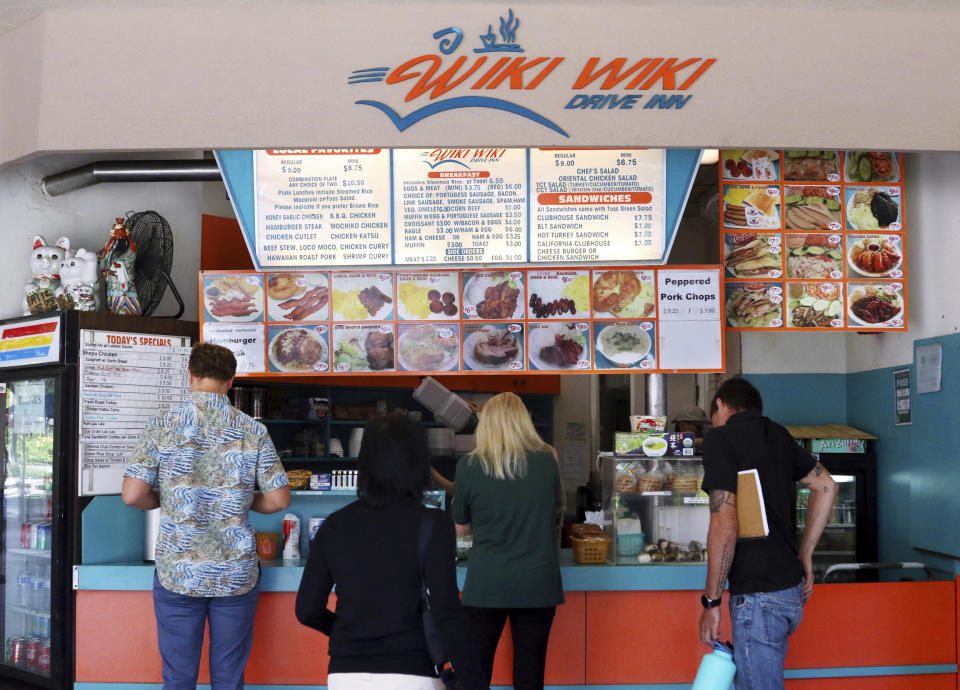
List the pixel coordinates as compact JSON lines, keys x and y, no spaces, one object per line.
{"x":13,"y":13}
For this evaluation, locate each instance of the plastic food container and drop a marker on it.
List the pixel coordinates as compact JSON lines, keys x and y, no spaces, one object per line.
{"x":591,"y":551}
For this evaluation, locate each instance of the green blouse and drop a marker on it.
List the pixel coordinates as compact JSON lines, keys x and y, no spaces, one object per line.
{"x":514,"y":562}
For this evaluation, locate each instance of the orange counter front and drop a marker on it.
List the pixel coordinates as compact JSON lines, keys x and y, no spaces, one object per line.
{"x":879,"y":636}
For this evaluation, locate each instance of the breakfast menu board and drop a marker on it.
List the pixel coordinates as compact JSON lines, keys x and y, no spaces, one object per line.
{"x":125,"y":380}
{"x":429,"y":321}
{"x":813,"y":240}
{"x":456,"y":206}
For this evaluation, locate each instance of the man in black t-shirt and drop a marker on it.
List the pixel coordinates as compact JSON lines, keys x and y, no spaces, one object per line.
{"x":770,"y":578}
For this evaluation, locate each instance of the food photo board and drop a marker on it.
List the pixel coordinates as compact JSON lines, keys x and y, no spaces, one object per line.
{"x":813,"y":240}
{"x":431,"y":321}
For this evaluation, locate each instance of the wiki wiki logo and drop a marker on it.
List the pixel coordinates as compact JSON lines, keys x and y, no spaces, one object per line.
{"x":495,"y":60}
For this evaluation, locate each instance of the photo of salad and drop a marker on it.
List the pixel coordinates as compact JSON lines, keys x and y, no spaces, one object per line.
{"x":814,"y":256}
{"x":814,"y":305}
{"x":803,"y":165}
{"x":871,"y":166}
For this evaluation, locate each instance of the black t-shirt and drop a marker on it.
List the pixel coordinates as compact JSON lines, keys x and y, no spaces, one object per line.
{"x":751,"y":441}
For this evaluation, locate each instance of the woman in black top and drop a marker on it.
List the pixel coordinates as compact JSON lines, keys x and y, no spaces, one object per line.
{"x":368,"y":549}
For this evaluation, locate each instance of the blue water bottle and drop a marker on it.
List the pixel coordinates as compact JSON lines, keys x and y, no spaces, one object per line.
{"x":716,"y":669}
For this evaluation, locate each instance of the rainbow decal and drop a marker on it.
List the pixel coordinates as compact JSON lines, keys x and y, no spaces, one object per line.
{"x":29,"y":341}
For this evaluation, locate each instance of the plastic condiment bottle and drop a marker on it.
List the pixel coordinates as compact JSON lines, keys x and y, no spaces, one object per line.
{"x":716,"y":669}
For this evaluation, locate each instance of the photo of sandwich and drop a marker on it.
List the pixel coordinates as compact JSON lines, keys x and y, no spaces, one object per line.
{"x":753,"y":255}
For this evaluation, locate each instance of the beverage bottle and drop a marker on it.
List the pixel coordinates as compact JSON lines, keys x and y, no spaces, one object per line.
{"x":43,"y":589}
{"x":23,"y":586}
{"x":26,"y":585}
{"x":716,"y":669}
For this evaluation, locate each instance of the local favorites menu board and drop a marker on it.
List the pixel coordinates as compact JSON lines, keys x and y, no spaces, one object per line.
{"x":361,"y":207}
{"x":813,"y":240}
{"x":449,"y":321}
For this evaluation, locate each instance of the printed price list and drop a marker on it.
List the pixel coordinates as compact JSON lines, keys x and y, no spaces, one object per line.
{"x":460,"y":206}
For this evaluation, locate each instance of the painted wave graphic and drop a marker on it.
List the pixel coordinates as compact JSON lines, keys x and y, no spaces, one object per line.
{"x":404,"y":122}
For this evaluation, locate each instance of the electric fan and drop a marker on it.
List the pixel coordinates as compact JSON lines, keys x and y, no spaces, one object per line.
{"x":150,"y":233}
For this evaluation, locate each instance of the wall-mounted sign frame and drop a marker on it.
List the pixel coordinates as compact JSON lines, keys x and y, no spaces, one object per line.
{"x":813,"y":240}
{"x":448,"y":207}
{"x":476,"y":321}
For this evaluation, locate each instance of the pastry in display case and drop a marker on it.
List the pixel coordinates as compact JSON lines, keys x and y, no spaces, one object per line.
{"x":654,"y":509}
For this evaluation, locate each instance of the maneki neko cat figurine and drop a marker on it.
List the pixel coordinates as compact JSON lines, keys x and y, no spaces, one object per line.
{"x":41,"y":292}
{"x":80,"y":281}
{"x":117,"y":260}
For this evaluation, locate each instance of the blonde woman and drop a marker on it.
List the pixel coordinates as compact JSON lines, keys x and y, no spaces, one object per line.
{"x":509,"y":495}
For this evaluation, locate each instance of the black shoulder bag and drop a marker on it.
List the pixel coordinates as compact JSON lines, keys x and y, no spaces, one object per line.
{"x":436,"y":648}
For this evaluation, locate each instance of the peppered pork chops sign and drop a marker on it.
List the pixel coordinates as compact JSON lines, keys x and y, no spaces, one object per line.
{"x":370,"y":206}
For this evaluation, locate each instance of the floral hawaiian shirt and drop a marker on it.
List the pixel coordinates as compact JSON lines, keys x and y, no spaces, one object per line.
{"x":206,"y":458}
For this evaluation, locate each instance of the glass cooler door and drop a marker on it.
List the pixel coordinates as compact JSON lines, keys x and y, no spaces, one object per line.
{"x":839,"y":541}
{"x":28,"y":430}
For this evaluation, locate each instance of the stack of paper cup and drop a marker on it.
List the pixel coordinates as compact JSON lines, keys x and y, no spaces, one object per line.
{"x":356,"y":437}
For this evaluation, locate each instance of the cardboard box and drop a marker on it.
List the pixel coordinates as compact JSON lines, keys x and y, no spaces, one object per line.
{"x":681,"y":444}
{"x":629,"y":443}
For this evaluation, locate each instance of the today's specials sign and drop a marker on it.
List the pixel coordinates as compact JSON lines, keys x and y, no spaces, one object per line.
{"x":428,"y":321}
{"x":458,"y":206}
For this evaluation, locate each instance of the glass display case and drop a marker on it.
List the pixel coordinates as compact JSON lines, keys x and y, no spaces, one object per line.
{"x":654,"y":509}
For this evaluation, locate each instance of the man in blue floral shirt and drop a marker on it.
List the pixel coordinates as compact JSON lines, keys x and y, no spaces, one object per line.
{"x":206,"y":464}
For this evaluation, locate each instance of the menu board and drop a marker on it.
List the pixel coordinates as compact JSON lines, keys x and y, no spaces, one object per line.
{"x":597,"y":205}
{"x":125,"y":380}
{"x":813,"y":240}
{"x":456,"y":206}
{"x":322,"y":206}
{"x":460,"y":206}
{"x":558,"y":320}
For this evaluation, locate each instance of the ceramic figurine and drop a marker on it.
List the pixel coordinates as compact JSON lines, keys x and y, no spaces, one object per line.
{"x":80,"y":281}
{"x":116,"y":265}
{"x":45,"y":260}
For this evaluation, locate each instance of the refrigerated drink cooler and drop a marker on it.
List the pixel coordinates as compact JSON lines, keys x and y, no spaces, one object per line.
{"x":851,"y":532}
{"x":39,"y":534}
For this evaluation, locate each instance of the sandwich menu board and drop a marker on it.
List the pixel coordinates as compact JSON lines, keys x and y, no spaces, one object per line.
{"x":456,"y":206}
{"x":458,"y":321}
{"x":813,"y":240}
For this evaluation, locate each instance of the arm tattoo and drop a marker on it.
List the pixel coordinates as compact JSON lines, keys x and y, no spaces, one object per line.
{"x":726,"y":560}
{"x":818,"y":469}
{"x":719,"y":498}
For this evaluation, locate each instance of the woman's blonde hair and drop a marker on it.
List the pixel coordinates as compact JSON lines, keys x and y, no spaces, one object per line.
{"x":505,"y":433}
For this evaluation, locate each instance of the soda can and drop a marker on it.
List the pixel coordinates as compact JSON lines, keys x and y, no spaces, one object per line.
{"x":43,"y":659}
{"x":17,"y":651}
{"x":31,"y":650}
{"x":34,"y":528}
{"x":43,"y":627}
{"x":43,"y":536}
{"x":25,"y":535}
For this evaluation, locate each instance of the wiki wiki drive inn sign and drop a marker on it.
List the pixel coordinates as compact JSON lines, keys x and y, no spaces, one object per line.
{"x":490,"y":68}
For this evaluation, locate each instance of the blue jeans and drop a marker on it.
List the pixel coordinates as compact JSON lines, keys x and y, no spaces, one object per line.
{"x":180,"y":623}
{"x":761,"y":624}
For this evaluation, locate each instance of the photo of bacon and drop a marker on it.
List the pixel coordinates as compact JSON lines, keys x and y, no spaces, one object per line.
{"x":311,"y":302}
